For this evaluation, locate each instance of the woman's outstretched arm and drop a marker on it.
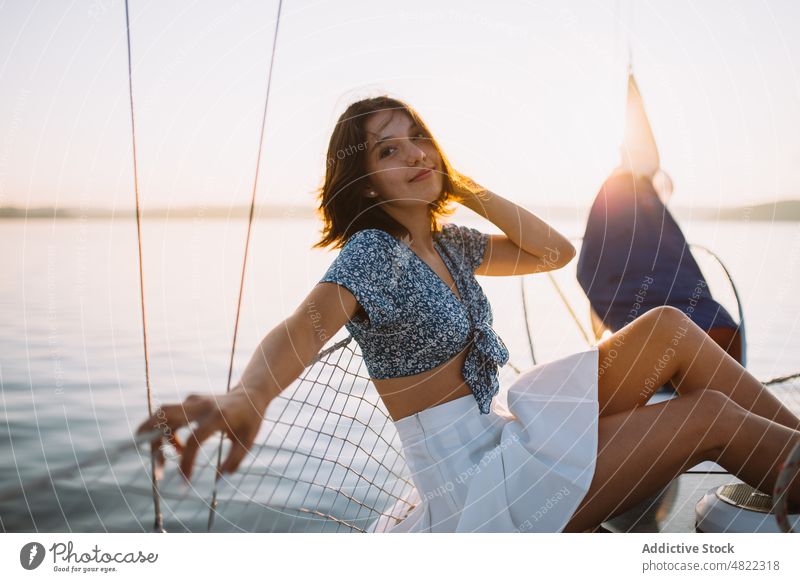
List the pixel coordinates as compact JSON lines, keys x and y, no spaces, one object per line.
{"x":278,"y":361}
{"x":290,"y":347}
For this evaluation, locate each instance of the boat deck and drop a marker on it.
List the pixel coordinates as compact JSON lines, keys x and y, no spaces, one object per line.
{"x":672,"y":510}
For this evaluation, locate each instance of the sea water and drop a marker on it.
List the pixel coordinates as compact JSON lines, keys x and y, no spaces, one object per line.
{"x":72,"y":371}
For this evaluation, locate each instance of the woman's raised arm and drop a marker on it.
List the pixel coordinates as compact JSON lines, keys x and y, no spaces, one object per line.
{"x":278,"y":361}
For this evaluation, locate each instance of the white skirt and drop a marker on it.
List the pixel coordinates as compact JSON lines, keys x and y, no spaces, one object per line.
{"x":525,"y":472}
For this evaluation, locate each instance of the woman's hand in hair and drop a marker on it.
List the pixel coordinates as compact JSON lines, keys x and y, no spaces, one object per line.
{"x":467,"y":191}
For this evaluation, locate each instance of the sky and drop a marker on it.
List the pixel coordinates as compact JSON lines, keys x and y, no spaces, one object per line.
{"x":525,"y":97}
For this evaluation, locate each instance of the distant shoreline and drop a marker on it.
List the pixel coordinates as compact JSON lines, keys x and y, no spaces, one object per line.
{"x":182,"y":213}
{"x":779,"y":211}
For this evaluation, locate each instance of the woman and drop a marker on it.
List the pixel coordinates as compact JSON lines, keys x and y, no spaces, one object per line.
{"x":580,"y":446}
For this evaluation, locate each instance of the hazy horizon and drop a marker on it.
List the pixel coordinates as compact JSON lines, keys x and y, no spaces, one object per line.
{"x":776,"y":211}
{"x":312,"y":207}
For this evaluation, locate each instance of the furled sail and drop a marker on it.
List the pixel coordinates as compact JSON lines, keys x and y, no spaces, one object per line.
{"x":638,"y":152}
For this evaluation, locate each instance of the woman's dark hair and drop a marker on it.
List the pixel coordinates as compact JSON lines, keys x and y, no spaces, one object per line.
{"x":342,"y":206}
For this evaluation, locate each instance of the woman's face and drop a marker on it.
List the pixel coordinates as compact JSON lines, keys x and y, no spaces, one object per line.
{"x":397,"y":150}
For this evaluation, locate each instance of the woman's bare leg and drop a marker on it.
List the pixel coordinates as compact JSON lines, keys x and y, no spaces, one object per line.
{"x":641,"y":450}
{"x":665,"y":345}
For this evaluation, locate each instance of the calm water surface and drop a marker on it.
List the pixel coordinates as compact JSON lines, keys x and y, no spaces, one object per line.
{"x":71,"y":356}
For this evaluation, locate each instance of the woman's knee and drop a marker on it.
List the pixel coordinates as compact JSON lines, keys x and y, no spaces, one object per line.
{"x":658,"y":325}
{"x":713,"y":403}
{"x":667,"y":318}
{"x":665,"y":327}
{"x":717,"y":416}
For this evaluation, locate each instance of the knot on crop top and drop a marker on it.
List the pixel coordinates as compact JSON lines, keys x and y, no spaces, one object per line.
{"x":412,"y":321}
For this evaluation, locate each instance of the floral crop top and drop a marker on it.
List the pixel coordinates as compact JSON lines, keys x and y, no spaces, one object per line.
{"x":414,"y":322}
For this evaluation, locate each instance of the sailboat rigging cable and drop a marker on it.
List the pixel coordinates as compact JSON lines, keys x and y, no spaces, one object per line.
{"x":158,"y":524}
{"x":213,"y":505}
